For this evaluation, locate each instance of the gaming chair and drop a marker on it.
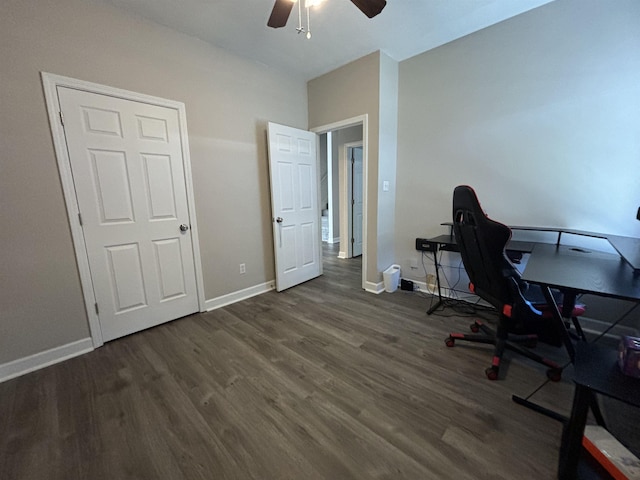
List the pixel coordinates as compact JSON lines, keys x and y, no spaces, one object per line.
{"x":523,"y":317}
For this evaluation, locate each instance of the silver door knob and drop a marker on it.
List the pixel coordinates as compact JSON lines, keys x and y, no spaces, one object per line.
{"x":184,"y":227}
{"x":279,"y":219}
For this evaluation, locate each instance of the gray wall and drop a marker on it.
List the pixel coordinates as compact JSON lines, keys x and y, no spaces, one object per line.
{"x":540,"y":114}
{"x":368,"y":86}
{"x":228,"y":102}
{"x":344,"y":93}
{"x":387,"y":159}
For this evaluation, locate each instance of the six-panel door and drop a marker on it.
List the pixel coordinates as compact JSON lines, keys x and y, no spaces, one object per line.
{"x":294,"y":201}
{"x":126,"y":159}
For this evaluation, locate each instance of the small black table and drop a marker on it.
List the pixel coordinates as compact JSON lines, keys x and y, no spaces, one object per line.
{"x":596,"y":371}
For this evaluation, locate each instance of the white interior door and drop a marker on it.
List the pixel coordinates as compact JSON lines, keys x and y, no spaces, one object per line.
{"x":356,"y":200}
{"x":293,"y":170}
{"x":128,"y":172}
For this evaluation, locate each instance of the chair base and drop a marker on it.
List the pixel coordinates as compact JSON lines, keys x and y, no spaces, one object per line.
{"x":505,"y":341}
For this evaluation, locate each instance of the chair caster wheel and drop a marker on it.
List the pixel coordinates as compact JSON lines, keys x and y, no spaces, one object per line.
{"x":449,"y":342}
{"x":554,"y":374}
{"x":474,"y":327}
{"x":491,"y":373}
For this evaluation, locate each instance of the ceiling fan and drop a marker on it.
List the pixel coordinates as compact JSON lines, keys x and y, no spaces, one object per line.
{"x":282,"y":9}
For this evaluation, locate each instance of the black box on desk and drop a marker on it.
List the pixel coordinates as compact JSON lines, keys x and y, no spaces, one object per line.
{"x":425,"y":245}
{"x":629,"y":356}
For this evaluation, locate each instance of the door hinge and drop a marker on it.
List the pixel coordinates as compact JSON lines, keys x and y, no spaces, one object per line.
{"x":97,"y":312}
{"x":353,"y":240}
{"x":80,"y":218}
{"x":61,"y":117}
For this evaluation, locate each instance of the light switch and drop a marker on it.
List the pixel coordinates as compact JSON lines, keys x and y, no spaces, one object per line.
{"x":385,"y":186}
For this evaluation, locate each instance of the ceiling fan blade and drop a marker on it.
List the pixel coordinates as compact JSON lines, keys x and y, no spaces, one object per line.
{"x":370,"y":8}
{"x":280,"y":13}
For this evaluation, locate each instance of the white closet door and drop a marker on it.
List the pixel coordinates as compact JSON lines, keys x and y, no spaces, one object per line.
{"x":128,"y":173}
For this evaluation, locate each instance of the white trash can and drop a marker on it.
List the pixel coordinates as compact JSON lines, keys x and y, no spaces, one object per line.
{"x":391,"y":278}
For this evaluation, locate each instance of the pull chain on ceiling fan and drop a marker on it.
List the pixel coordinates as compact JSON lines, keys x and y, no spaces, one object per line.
{"x":282,"y":10}
{"x":307,"y":5}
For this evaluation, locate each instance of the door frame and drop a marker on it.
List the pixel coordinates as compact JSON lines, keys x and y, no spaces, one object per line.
{"x":351,"y":122}
{"x":50,"y":83}
{"x":347,"y":194}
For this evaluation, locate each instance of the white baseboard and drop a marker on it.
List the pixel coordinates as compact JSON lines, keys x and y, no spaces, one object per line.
{"x":444,"y":291}
{"x":374,"y":287}
{"x":234,"y":297}
{"x":423,"y":287}
{"x":40,"y":360}
{"x":342,"y":255}
{"x":55,"y":355}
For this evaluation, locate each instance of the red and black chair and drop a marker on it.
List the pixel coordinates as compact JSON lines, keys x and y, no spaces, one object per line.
{"x":523,"y":316}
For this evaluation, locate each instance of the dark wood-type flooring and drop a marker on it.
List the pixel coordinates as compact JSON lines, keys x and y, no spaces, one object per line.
{"x":323,"y":381}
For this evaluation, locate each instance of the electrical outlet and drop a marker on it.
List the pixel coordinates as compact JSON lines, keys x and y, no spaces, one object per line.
{"x":243,"y":268}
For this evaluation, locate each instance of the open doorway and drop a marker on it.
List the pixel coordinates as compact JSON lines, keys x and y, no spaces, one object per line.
{"x":343,"y":194}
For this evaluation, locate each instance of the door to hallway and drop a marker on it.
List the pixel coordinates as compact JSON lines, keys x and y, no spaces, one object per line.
{"x":293,"y":171}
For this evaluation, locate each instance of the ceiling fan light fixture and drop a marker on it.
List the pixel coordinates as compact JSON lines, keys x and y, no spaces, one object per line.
{"x":313,"y":3}
{"x":282,"y":9}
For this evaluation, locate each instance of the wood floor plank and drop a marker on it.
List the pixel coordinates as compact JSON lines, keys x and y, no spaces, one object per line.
{"x":322,"y":381}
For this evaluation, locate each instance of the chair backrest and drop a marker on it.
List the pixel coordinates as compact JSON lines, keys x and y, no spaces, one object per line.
{"x":482,"y":243}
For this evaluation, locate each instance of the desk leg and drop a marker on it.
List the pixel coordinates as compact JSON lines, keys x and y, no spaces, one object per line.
{"x":572,"y":434}
{"x":539,"y":409}
{"x":562,"y":329}
{"x":568,"y":304}
{"x":566,"y":339}
{"x":437,"y":265}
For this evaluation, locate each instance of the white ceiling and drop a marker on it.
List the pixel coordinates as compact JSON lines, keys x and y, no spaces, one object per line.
{"x":341,"y":33}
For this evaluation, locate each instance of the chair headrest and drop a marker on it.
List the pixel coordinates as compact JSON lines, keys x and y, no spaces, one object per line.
{"x":465,"y":198}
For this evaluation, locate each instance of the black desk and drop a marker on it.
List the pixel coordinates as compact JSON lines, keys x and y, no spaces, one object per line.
{"x":575,"y":270}
{"x":447,"y":243}
{"x":627,"y":247}
{"x":583,"y":271}
{"x":596,"y":371}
